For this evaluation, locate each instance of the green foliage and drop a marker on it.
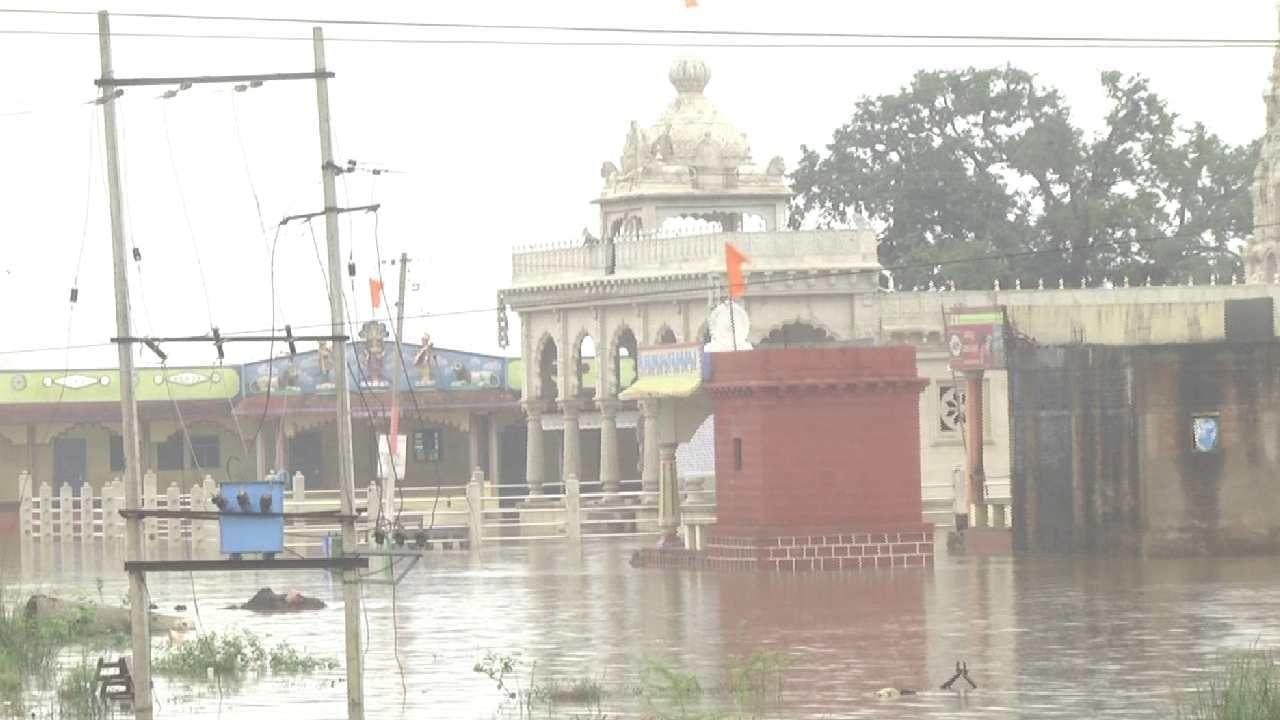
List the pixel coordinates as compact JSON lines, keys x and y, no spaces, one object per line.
{"x":975,"y":163}
{"x":1247,"y":688}
{"x":498,"y":668}
{"x":579,"y":691}
{"x":755,"y":680}
{"x":231,"y":656}
{"x":77,"y":693}
{"x":670,"y":693}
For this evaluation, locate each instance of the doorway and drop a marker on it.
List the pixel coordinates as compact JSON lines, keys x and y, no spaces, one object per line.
{"x":70,"y":463}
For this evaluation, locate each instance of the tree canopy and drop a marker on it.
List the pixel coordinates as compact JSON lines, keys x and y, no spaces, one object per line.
{"x":986,"y":163}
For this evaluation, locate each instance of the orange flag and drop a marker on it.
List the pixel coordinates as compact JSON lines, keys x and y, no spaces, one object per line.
{"x":690,"y":3}
{"x":375,"y":292}
{"x":733,"y":267}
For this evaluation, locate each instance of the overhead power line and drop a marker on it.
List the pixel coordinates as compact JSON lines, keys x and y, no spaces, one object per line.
{"x":730,"y":45}
{"x":655,"y":294}
{"x":687,"y":32}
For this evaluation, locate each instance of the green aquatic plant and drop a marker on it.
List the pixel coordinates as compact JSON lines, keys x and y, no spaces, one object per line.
{"x":756,"y":679}
{"x":1246,"y":687}
{"x":231,"y":656}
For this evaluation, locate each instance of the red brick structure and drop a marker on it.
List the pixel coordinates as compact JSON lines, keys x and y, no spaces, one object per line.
{"x":817,"y":461}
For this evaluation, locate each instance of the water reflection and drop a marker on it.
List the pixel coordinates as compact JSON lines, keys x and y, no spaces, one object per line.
{"x":1044,"y":638}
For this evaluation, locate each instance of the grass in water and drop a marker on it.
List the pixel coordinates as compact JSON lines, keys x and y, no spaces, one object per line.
{"x":233,"y":655}
{"x":1247,"y":688}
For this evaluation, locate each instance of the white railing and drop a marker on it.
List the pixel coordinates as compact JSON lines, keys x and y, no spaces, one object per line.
{"x":997,"y":500}
{"x":769,"y":251}
{"x":466,"y":515}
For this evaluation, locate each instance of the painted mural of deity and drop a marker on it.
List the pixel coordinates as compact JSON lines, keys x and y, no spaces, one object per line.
{"x":374,"y":335}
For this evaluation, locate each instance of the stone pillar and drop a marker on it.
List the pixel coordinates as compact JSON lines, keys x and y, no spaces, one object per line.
{"x":86,"y":512}
{"x":669,"y":502}
{"x":173,"y":502}
{"x":572,"y":464}
{"x":495,"y":452}
{"x":609,"y":476}
{"x":65,"y":515}
{"x":649,"y":466}
{"x":533,"y":453}
{"x":473,"y":441}
{"x":572,"y":508}
{"x":973,"y":414}
{"x":46,"y":511}
{"x":299,"y":488}
{"x":475,"y":512}
{"x":24,"y":504}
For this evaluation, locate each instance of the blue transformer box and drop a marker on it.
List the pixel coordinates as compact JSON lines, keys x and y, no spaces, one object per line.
{"x":250,"y":517}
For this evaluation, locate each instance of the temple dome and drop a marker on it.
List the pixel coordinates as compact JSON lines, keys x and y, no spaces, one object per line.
{"x":691,"y":131}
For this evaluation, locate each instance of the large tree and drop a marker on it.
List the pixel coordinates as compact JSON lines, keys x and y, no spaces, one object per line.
{"x":986,"y":163}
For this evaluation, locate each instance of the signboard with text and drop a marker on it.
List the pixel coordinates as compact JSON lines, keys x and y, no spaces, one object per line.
{"x":975,"y":338}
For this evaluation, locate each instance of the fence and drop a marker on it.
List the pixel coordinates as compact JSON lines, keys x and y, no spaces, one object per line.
{"x":937,"y":501}
{"x":435,"y":517}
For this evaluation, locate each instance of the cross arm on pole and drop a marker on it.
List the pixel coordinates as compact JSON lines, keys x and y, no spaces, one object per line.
{"x":208,"y":79}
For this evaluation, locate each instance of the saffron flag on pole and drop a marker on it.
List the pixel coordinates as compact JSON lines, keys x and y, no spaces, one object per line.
{"x":690,"y":3}
{"x":375,"y":292}
{"x":733,"y":260}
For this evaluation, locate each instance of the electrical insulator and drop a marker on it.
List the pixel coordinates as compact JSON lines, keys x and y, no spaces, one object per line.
{"x":503,"y":338}
{"x":220,"y":501}
{"x":351,"y":269}
{"x":264,"y":502}
{"x":242,"y":499}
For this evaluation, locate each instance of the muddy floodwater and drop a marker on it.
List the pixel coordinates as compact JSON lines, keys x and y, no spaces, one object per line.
{"x":1043,"y":638}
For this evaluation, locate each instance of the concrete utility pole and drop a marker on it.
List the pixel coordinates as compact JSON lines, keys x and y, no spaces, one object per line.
{"x":388,"y":500}
{"x":346,"y":463}
{"x":139,"y":603}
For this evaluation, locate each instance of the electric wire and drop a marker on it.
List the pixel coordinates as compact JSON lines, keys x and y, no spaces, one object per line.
{"x":617,"y":44}
{"x":618,"y":29}
{"x":759,"y":282}
{"x":186,"y":215}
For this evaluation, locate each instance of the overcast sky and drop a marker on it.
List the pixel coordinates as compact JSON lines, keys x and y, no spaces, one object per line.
{"x":493,"y":146}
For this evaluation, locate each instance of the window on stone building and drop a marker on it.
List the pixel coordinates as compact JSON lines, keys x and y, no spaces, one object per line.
{"x":951,"y":411}
{"x":428,"y":445}
{"x":206,"y":452}
{"x":737,"y":453}
{"x":117,"y":453}
{"x":169,"y":453}
{"x":950,"y":408}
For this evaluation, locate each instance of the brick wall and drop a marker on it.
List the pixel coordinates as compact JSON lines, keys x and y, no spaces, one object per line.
{"x":905,"y":548}
{"x":829,"y":437}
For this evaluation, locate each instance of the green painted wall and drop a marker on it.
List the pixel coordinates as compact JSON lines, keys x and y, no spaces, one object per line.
{"x":43,"y":386}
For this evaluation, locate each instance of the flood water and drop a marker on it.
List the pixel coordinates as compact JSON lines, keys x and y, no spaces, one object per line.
{"x":1043,"y":638}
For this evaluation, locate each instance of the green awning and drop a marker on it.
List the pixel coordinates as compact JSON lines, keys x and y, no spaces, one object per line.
{"x":662,"y":386}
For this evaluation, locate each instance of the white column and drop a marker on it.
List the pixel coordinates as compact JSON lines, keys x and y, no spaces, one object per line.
{"x":649,"y":469}
{"x":533,"y":454}
{"x":473,"y":441}
{"x":24,"y":504}
{"x":495,"y":451}
{"x":572,"y":508}
{"x":609,"y":476}
{"x":475,"y":511}
{"x":86,"y":512}
{"x":572,"y":440}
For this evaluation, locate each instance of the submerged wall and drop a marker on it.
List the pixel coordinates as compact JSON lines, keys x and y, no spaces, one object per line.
{"x":1103,"y":451}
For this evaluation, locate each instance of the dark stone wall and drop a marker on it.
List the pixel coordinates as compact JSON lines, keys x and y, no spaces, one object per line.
{"x":1103,"y":458}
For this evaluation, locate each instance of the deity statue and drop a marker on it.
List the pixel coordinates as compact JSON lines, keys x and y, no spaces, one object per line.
{"x":326,"y":359}
{"x":425,"y":361}
{"x":374,"y":334}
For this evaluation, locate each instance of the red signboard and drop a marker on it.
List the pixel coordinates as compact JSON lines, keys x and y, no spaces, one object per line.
{"x":975,"y":338}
